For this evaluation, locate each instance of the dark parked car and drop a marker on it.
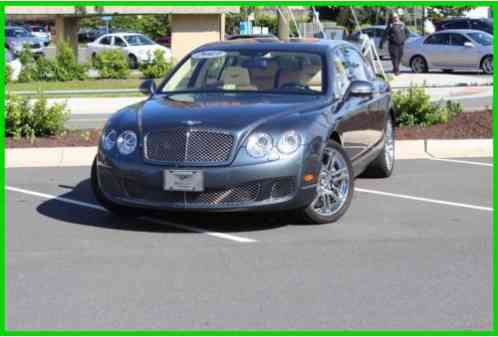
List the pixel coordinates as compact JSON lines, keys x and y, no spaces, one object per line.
{"x":250,"y":126}
{"x":485,"y":25}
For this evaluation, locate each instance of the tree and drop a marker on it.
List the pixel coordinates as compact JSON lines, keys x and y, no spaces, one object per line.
{"x":439,"y":13}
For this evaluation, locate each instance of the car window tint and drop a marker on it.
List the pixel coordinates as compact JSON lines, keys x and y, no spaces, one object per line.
{"x":106,"y":40}
{"x":441,"y":39}
{"x":482,"y":38}
{"x":458,"y":39}
{"x":355,"y":66}
{"x":119,"y":42}
{"x":341,"y":79}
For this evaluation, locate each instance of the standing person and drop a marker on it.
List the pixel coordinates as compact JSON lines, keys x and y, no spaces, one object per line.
{"x":396,"y":34}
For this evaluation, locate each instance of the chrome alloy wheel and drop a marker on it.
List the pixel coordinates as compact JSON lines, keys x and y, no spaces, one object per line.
{"x":389,"y":146}
{"x":333,"y":184}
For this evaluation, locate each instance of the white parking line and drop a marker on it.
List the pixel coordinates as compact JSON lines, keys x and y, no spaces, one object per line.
{"x":434,"y":201}
{"x":463,"y":162}
{"x":235,"y":238}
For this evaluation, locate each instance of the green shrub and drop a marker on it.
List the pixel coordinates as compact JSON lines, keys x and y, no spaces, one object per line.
{"x":64,"y":68}
{"x":414,"y":107}
{"x":8,"y":74}
{"x":112,"y":63}
{"x":25,"y":117}
{"x":157,"y":66}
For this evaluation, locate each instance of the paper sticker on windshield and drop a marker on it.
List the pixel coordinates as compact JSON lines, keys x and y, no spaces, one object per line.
{"x":208,"y":54}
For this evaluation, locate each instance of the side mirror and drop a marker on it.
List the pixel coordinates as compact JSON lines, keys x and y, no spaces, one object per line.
{"x":361,"y":89}
{"x":468,"y":45}
{"x":148,"y":87}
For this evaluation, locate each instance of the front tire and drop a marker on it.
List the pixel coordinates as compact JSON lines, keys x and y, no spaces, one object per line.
{"x":383,"y":165}
{"x":121,"y":211}
{"x":335,"y":187}
{"x":132,"y":61}
{"x":487,"y":65}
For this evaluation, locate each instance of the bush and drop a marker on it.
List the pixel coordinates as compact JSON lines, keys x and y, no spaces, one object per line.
{"x":64,"y":68}
{"x":8,"y":74}
{"x":29,"y":118}
{"x":414,"y":107}
{"x":157,"y":66}
{"x":112,"y":63}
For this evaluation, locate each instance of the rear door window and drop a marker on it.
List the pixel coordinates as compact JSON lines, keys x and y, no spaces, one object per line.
{"x":438,"y":39}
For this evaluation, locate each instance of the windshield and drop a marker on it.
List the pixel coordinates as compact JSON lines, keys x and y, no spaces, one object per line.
{"x":38,"y":29}
{"x":137,"y":40}
{"x":249,"y":70}
{"x":482,"y":38}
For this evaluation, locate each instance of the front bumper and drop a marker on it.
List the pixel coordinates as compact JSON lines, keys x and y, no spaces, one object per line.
{"x":273,"y":185}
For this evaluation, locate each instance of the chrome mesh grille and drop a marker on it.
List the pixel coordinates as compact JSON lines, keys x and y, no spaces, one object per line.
{"x":189,"y":145}
{"x":243,"y":193}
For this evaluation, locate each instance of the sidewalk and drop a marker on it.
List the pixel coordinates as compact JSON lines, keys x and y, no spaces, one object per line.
{"x":405,"y":149}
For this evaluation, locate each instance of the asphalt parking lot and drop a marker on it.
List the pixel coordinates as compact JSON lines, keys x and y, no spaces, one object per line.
{"x":413,"y":252}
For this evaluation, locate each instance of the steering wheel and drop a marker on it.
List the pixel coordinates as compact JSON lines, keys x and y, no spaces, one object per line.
{"x":295,"y":85}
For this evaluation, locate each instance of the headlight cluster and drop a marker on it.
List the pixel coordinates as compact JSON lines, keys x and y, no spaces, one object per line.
{"x":126,"y":142}
{"x":261,"y":144}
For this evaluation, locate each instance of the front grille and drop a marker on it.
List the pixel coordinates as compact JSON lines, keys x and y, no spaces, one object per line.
{"x":239,"y":194}
{"x":189,"y":145}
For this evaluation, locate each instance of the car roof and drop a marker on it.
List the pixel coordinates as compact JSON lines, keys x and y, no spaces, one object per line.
{"x":312,"y":45}
{"x":464,"y":31}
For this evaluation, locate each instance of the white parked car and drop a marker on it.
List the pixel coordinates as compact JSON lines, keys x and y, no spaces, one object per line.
{"x":456,"y":49}
{"x":139,"y":48}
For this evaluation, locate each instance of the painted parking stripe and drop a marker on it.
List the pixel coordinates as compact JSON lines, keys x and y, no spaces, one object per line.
{"x":231,"y":237}
{"x":463,"y":162}
{"x":434,"y":201}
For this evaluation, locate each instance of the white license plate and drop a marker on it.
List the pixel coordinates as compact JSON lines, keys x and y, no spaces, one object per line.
{"x":183,"y":180}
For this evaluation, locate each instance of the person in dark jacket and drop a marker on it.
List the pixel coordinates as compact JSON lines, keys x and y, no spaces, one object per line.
{"x":396,"y":34}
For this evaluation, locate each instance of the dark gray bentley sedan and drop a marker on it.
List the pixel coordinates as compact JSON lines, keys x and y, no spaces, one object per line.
{"x":250,"y":125}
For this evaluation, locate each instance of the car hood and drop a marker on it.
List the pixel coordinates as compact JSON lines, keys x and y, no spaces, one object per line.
{"x":234,"y":112}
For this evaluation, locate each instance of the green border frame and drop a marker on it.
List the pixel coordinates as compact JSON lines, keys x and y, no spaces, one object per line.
{"x":403,"y":3}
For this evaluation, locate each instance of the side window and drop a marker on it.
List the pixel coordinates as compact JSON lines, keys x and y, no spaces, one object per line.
{"x":341,"y":81}
{"x":480,"y":25}
{"x":438,"y":39}
{"x":119,"y":42}
{"x":458,"y":39}
{"x":355,"y":66}
{"x":106,"y":40}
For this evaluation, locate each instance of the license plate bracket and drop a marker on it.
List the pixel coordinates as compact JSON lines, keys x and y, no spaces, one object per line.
{"x":184,"y":180}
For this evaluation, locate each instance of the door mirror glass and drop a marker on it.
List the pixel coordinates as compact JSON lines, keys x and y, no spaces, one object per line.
{"x":148,"y":87}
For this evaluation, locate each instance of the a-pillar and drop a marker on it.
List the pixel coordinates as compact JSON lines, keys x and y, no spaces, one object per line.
{"x":66,"y":28}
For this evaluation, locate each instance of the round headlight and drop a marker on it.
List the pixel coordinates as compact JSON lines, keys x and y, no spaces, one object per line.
{"x":289,"y":142}
{"x":259,"y":145}
{"x":109,"y":140}
{"x":127,"y":142}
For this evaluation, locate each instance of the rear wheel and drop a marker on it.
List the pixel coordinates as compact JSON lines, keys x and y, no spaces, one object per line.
{"x":112,"y":207}
{"x":335,"y":187}
{"x":419,"y":64}
{"x":383,"y":165}
{"x":487,"y":65}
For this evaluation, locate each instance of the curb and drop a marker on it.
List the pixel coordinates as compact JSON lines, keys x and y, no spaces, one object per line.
{"x":405,"y":149}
